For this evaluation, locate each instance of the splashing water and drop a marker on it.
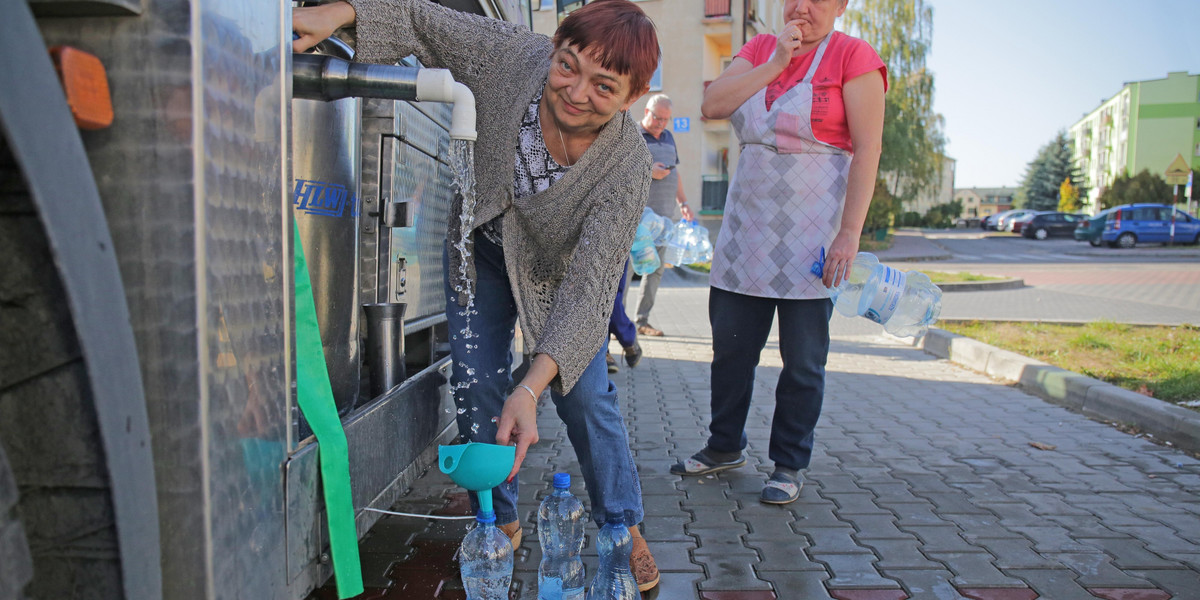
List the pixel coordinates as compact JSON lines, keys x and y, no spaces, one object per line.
{"x":462,"y":163}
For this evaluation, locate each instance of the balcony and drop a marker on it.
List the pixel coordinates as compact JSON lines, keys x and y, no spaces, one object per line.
{"x":717,"y":8}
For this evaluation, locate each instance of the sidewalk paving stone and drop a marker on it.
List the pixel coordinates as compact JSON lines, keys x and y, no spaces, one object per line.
{"x":922,"y":485}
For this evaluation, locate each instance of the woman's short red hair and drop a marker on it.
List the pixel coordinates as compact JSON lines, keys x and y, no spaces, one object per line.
{"x":618,"y":35}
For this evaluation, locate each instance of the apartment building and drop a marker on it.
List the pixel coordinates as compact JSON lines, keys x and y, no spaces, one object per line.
{"x":1143,"y":126}
{"x":982,"y":202}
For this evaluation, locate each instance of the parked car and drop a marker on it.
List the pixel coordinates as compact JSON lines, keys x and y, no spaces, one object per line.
{"x":1005,"y":223}
{"x":1018,"y":224}
{"x":1131,"y":224}
{"x":966,"y":222}
{"x":1088,"y":229}
{"x":991,"y":221}
{"x":1048,"y":224}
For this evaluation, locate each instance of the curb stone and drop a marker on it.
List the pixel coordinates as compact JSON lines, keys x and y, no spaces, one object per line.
{"x":966,"y":286}
{"x":1087,"y":395}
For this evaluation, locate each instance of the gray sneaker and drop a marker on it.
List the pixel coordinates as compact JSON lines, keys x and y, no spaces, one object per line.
{"x":701,"y":463}
{"x":781,"y":489}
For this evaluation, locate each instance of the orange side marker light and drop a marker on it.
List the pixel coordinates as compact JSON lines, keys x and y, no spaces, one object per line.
{"x":86,"y":85}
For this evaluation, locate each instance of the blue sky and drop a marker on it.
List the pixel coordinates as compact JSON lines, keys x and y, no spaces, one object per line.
{"x":1010,"y":74}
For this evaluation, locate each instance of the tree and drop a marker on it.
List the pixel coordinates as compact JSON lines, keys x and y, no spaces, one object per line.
{"x":1144,"y":187}
{"x":1043,"y":176}
{"x":883,"y":205}
{"x":942,"y":216}
{"x":913,"y":142}
{"x":1068,"y":196}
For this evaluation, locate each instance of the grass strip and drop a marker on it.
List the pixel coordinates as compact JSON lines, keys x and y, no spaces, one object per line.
{"x":1161,"y":362}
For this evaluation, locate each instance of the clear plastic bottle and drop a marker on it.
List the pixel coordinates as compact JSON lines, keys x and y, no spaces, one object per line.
{"x":643,"y":254}
{"x":905,"y":303}
{"x":486,"y":560}
{"x":657,"y":226}
{"x":614,"y":580}
{"x":699,"y":246}
{"x":677,"y":244}
{"x":560,"y":531}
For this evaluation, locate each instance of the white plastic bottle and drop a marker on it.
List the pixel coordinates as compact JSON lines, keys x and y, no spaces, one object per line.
{"x":905,"y":303}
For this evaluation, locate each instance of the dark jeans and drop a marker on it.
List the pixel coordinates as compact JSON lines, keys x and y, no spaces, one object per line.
{"x":740,"y":325}
{"x":482,"y":380}
{"x":619,"y":324}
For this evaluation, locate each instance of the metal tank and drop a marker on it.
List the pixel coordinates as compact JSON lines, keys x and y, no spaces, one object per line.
{"x":196,"y":185}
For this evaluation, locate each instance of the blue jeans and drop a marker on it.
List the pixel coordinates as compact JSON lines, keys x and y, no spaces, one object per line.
{"x":594,"y":421}
{"x":740,"y":325}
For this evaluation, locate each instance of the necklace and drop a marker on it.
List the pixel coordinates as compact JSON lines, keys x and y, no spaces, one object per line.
{"x":564,"y":145}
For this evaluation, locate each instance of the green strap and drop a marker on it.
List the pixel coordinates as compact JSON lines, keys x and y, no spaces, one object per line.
{"x":315,"y":396}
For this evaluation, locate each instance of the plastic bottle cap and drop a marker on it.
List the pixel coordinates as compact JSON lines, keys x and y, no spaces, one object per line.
{"x":615,"y":518}
{"x":486,"y":516}
{"x":562,"y":481}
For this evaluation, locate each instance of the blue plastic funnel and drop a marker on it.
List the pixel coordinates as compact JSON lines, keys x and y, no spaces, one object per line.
{"x":477,"y":467}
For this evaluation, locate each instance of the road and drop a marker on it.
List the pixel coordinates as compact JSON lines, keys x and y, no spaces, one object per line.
{"x":1068,"y":280}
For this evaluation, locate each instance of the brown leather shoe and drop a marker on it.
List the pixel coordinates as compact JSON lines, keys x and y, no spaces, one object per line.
{"x":641,"y":562}
{"x":513,"y":531}
{"x":648,"y":329}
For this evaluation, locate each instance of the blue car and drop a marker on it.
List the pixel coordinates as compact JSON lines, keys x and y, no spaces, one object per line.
{"x":1132,"y":224}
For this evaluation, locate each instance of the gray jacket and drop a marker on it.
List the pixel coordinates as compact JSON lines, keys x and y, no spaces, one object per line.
{"x":565,"y":247}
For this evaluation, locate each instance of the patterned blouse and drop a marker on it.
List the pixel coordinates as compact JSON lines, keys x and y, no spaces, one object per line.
{"x":536,"y":169}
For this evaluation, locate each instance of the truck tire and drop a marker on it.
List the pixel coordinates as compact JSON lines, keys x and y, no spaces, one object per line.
{"x":16,"y":566}
{"x":56,"y":512}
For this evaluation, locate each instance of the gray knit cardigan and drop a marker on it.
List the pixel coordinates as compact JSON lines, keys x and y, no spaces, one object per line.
{"x":565,"y":247}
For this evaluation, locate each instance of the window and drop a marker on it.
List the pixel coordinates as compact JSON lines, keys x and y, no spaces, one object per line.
{"x":656,"y":79}
{"x":543,"y":5}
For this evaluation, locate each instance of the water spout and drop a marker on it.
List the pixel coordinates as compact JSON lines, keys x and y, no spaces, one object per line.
{"x":321,"y":77}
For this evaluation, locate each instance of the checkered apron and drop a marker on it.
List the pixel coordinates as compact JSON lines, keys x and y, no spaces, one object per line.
{"x":785,"y":201}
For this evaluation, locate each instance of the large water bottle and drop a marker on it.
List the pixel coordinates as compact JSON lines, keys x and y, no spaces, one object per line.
{"x":677,"y":244}
{"x":643,"y":254}
{"x":657,"y":226}
{"x":905,"y":303}
{"x":560,"y":531}
{"x":486,"y":560}
{"x":614,"y":580}
{"x":699,"y":247}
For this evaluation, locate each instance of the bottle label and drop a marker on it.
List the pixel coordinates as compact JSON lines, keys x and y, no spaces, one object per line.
{"x":887,"y":295}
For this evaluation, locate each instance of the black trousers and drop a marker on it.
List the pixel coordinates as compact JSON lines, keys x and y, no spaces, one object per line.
{"x":740,"y":325}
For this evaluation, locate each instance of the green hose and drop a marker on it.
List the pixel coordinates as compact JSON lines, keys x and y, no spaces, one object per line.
{"x":315,"y":397}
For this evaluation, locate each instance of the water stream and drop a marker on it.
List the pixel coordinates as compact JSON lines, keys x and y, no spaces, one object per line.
{"x":462,"y":164}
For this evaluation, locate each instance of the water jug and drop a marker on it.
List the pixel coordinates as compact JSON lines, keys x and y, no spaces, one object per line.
{"x":486,"y":560}
{"x":643,"y":254}
{"x":905,"y":303}
{"x":614,"y":580}
{"x":560,"y":531}
{"x":657,"y":226}
{"x":677,"y":244}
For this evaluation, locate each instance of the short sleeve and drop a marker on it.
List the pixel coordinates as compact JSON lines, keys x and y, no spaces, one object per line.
{"x":753,"y":50}
{"x":860,"y":59}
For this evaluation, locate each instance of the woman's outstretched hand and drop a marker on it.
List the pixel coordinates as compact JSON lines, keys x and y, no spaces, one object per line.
{"x":315,"y":23}
{"x":518,"y":424}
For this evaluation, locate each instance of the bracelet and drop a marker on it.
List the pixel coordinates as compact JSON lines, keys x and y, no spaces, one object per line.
{"x":528,"y":389}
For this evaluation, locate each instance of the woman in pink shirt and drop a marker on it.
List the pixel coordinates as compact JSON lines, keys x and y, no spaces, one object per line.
{"x":807,"y":107}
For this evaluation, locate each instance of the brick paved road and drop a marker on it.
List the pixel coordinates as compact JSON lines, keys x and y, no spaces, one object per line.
{"x":924,"y":485}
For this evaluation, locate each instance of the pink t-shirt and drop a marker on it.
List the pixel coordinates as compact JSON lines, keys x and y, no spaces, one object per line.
{"x":845,"y":58}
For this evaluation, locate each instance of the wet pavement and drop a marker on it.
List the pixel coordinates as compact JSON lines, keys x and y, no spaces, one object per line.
{"x":925,"y":483}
